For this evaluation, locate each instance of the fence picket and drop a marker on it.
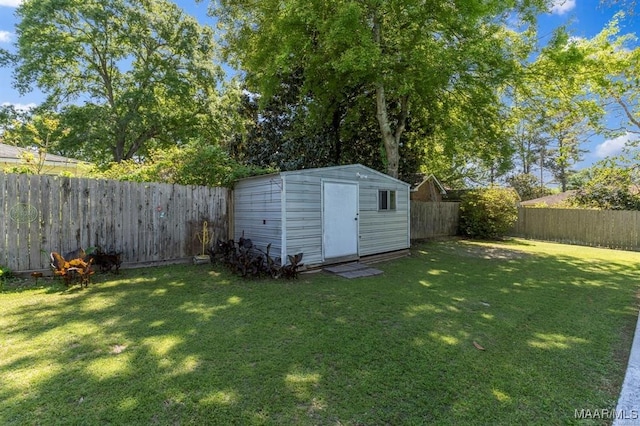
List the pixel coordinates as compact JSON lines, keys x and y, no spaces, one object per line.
{"x":35,"y":222}
{"x":434,"y":219}
{"x":55,"y":215}
{"x":22,"y":219}
{"x":3,"y":214}
{"x":146,"y":222}
{"x":603,"y":228}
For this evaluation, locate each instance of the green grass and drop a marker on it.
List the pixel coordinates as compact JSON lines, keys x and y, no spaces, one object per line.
{"x":193,"y":345}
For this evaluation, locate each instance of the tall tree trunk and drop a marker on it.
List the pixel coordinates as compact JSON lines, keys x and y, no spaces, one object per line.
{"x":118,"y":148}
{"x":390,"y":138}
{"x":387,"y":135}
{"x":335,"y":132}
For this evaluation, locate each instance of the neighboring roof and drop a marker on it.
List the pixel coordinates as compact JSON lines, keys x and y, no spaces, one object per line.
{"x":550,"y":200}
{"x":13,"y":154}
{"x":427,"y":179}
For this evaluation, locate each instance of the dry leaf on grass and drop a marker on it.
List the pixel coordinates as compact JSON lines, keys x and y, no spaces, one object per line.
{"x":477,"y":345}
{"x":118,"y":349}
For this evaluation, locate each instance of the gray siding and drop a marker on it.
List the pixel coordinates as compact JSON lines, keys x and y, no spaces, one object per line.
{"x":258,"y":211}
{"x":304,"y":216}
{"x":263,"y":204}
{"x":383,"y":231}
{"x":379,"y":231}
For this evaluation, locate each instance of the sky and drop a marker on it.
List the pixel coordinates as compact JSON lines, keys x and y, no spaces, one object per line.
{"x":584,"y":18}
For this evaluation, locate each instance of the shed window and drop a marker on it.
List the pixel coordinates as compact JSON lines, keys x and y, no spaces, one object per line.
{"x":386,"y":200}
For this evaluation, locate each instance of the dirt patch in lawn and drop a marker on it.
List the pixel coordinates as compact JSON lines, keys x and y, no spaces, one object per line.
{"x":487,"y":252}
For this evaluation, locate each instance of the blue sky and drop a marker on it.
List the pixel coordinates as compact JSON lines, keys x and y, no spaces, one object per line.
{"x":585,"y":18}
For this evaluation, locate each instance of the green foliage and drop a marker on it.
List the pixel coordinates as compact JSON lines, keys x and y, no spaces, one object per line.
{"x":144,"y":70}
{"x":5,"y":274}
{"x":8,"y":116}
{"x":39,"y":131}
{"x":488,"y":213}
{"x":290,"y":132}
{"x":528,"y":186}
{"x":610,"y":71}
{"x":195,"y":164}
{"x":551,"y":112}
{"x":445,"y":61}
{"x":610,"y":185}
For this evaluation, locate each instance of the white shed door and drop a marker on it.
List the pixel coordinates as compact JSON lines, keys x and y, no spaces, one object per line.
{"x":340,"y":219}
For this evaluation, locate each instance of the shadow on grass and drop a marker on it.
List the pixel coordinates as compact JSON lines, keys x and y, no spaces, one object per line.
{"x":189,"y":345}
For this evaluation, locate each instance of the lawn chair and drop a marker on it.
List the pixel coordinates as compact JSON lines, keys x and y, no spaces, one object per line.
{"x":60,"y":267}
{"x":74,"y":269}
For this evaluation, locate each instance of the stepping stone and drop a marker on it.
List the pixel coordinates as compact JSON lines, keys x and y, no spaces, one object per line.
{"x":353,"y":270}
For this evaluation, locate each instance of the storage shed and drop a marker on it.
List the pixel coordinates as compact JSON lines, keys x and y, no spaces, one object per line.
{"x":330,"y":214}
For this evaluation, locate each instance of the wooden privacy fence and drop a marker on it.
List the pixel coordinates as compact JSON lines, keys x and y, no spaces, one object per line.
{"x":434,"y":219}
{"x":146,"y":222}
{"x":604,"y":228}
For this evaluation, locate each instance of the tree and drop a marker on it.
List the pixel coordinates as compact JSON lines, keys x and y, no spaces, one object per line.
{"x":289,"y":132}
{"x":403,"y":55}
{"x":611,"y":71}
{"x":527,"y":186}
{"x":611,"y":184}
{"x":127,"y":75}
{"x":40,"y":131}
{"x":8,"y":116}
{"x":565,"y":130}
{"x":553,"y":112}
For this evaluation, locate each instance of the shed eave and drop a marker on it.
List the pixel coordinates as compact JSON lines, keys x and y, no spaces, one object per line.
{"x":347,"y":166}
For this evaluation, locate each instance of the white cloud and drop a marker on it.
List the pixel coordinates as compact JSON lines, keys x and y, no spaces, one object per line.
{"x":21,"y":107}
{"x":615,"y":146}
{"x":576,"y":40}
{"x":5,"y":36}
{"x":10,"y":3}
{"x":558,"y":7}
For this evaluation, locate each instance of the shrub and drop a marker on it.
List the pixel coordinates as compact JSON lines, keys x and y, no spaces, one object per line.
{"x":196,"y":163}
{"x":609,"y":187}
{"x":5,"y":274}
{"x":488,"y":213}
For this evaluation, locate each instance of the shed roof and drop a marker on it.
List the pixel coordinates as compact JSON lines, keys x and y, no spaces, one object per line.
{"x":365,"y":169}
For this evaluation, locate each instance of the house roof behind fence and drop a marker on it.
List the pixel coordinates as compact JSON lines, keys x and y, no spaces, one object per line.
{"x":13,"y":154}
{"x":550,"y":200}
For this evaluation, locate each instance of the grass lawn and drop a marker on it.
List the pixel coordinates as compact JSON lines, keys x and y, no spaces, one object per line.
{"x":194,"y":345}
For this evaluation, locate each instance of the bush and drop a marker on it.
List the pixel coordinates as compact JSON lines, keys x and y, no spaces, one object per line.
{"x":488,"y":213}
{"x":5,"y":274}
{"x":194,"y":164}
{"x":609,"y":186}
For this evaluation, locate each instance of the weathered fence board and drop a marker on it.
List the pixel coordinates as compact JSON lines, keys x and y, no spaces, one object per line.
{"x":602,"y":228}
{"x":3,"y":213}
{"x":146,"y":222}
{"x":434,"y":219}
{"x":34,"y":242}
